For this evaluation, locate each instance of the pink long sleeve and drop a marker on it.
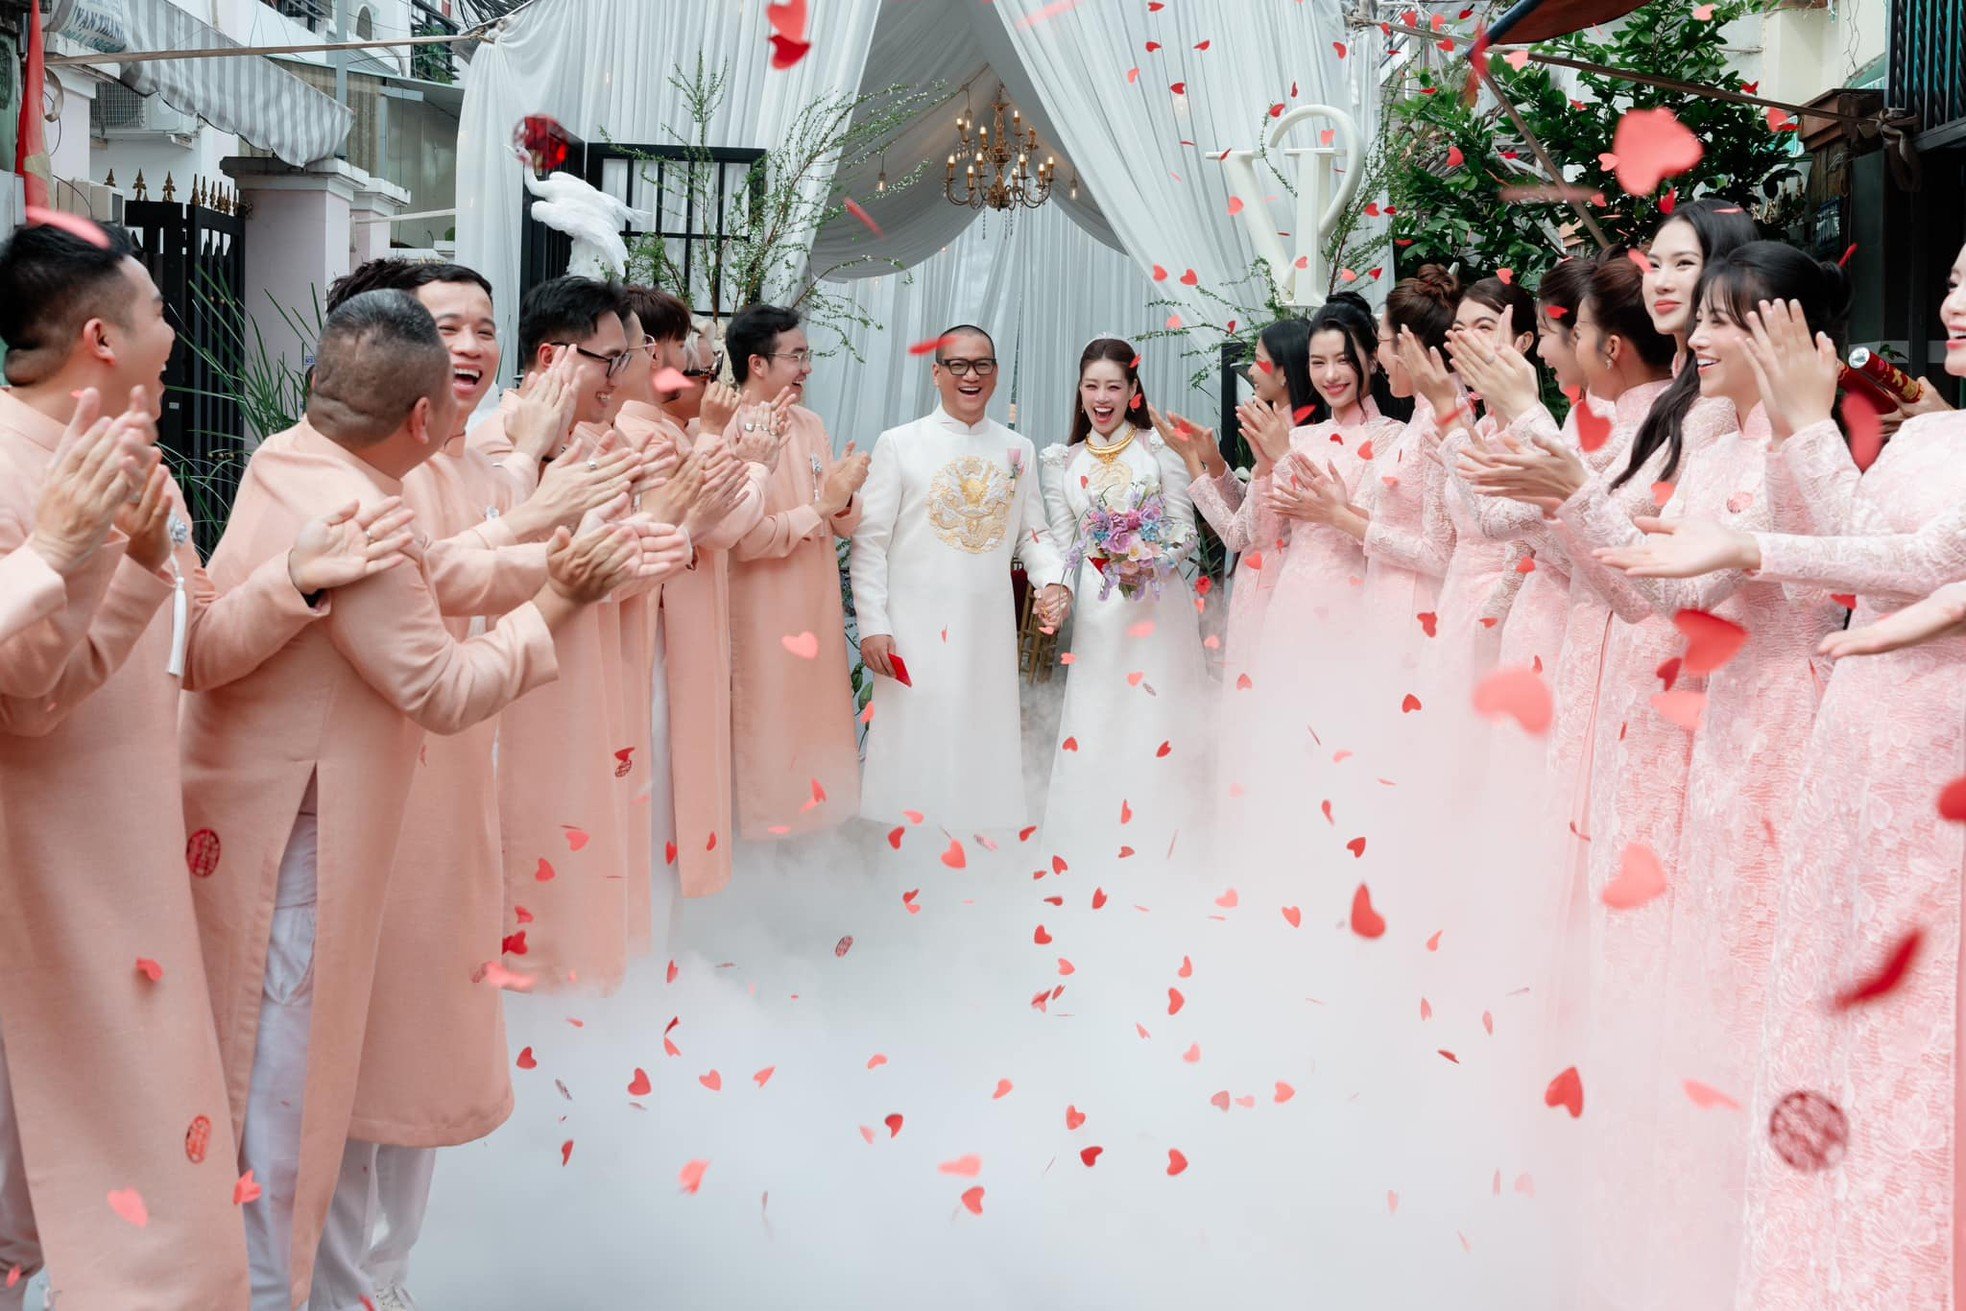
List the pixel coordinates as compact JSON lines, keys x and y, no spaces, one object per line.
{"x":396,"y":641}
{"x":1721,"y":475}
{"x":745,"y":515}
{"x":1424,"y":550}
{"x":1221,"y":502}
{"x":126,"y":612}
{"x":1818,"y":478}
{"x":470,"y":578}
{"x":30,"y":591}
{"x":230,"y":634}
{"x":1892,"y":563}
{"x":35,"y":653}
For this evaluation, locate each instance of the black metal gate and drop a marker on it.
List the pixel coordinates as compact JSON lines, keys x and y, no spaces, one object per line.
{"x":694,"y":195}
{"x":197,"y":254}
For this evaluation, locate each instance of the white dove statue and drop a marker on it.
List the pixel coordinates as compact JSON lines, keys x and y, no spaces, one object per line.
{"x":591,"y":217}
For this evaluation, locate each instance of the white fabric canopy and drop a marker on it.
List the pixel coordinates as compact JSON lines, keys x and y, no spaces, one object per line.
{"x":601,"y":67}
{"x":1043,"y":289}
{"x":1145,"y":151}
{"x":918,"y":45}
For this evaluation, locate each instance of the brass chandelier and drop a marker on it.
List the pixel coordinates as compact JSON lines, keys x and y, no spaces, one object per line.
{"x":998,"y":173}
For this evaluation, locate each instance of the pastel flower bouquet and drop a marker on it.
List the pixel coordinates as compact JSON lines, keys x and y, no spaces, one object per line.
{"x":1135,"y":548}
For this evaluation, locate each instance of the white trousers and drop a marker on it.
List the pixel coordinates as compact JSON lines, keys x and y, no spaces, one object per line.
{"x":378,"y":1184}
{"x":20,"y":1240}
{"x":270,"y":1143}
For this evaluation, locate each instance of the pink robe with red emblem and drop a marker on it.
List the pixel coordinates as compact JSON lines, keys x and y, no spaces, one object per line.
{"x":116,"y":1078}
{"x":345,"y":704}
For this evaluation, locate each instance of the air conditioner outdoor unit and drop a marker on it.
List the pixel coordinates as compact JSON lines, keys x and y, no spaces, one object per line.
{"x":120,"y":112}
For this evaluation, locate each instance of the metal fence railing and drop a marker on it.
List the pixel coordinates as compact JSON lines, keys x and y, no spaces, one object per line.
{"x":1927,"y":68}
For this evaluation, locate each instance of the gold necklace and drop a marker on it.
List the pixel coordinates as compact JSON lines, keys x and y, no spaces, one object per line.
{"x":1107,"y":454}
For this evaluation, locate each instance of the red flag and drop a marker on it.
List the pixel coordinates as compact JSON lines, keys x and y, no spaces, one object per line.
{"x":31,"y":156}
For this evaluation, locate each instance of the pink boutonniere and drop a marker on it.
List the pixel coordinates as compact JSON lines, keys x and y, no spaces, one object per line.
{"x":1016,"y":464}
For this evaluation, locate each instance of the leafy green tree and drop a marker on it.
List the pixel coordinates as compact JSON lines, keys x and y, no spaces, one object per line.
{"x":1446,"y":212}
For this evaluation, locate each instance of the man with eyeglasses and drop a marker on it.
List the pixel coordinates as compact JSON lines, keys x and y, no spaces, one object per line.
{"x":796,"y":762}
{"x":578,"y":318}
{"x":951,"y":500}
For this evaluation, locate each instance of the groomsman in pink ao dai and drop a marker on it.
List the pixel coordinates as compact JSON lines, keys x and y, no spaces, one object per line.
{"x":110,"y":1083}
{"x":951,"y":500}
{"x":62,"y":558}
{"x":435,"y":1069}
{"x":796,"y":761}
{"x":299,"y":773}
{"x":565,"y":774}
{"x":691,"y":612}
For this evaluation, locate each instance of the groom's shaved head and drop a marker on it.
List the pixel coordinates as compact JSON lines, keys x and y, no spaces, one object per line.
{"x":951,"y":335}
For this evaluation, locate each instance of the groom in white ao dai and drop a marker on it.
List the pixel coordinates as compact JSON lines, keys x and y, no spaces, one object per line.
{"x":949,"y":501}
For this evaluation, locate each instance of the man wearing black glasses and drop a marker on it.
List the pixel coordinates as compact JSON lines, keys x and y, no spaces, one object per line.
{"x":571,"y":326}
{"x":951,"y":500}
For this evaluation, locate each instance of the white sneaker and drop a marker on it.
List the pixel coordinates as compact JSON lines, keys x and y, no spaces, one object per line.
{"x":394,"y":1299}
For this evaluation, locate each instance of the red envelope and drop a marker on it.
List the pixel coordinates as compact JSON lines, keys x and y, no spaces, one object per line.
{"x":901,"y":671}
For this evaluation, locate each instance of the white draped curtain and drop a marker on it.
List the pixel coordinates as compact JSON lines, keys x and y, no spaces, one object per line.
{"x":602,"y":68}
{"x":1043,"y":287}
{"x":1147,"y":152}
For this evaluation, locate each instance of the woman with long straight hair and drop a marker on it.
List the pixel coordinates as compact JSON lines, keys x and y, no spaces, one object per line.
{"x":1317,"y":581}
{"x":1281,"y":378}
{"x":1635,"y":759}
{"x":1704,"y":1007}
{"x":1853,"y":1198}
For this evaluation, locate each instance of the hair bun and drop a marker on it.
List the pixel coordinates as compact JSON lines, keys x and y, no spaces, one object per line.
{"x":1439,"y":281}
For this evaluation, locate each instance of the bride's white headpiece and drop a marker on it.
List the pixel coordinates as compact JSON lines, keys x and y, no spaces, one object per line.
{"x":1106,"y":336}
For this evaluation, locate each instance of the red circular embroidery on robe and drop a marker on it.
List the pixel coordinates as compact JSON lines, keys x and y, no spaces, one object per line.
{"x":201,"y":852}
{"x":196,"y":1139}
{"x":1808,"y":1130}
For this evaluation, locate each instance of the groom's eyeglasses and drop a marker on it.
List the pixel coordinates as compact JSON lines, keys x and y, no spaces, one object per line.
{"x":963,"y":368}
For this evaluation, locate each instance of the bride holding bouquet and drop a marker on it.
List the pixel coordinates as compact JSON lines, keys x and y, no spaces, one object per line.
{"x":1129,"y":748}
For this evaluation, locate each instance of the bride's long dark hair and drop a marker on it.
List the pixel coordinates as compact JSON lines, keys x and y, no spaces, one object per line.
{"x":1122,"y":354}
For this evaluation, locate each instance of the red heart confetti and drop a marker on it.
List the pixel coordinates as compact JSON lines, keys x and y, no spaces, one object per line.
{"x":1708,"y":1098}
{"x":1710,"y":640}
{"x":1366,"y":922}
{"x":1518,"y":693}
{"x":1652,"y":145}
{"x":1567,"y":1091}
{"x":1887,"y":977}
{"x":1640,"y":879}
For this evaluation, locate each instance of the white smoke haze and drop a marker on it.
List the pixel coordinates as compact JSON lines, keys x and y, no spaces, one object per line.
{"x":1370,"y":1111}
